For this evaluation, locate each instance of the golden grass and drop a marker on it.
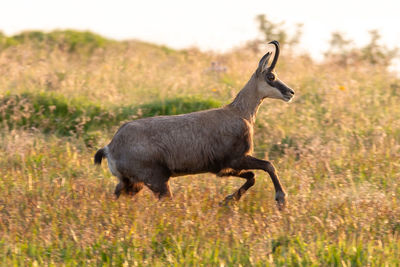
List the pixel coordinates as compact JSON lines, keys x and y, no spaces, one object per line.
{"x":336,"y":148}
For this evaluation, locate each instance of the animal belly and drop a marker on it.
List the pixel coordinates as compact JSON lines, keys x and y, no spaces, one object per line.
{"x":195,"y":167}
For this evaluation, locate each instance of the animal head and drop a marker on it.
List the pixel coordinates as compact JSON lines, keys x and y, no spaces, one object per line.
{"x":268,"y":84}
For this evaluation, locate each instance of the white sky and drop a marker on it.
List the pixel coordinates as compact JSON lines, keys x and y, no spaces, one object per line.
{"x":208,"y":24}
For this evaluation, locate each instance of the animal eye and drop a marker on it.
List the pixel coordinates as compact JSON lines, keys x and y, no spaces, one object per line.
{"x":271,"y":77}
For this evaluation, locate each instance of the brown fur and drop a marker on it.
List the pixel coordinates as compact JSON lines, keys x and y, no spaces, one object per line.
{"x":149,"y":151}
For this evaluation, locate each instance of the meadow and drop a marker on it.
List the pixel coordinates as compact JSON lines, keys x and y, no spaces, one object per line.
{"x":336,"y":148}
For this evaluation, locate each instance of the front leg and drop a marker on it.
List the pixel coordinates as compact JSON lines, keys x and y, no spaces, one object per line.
{"x":252,"y":163}
{"x":250,"y":180}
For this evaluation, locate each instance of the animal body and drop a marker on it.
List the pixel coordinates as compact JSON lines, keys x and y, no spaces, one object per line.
{"x":147,"y":152}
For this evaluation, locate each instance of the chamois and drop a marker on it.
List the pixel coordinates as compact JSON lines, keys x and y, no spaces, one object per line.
{"x":149,"y":151}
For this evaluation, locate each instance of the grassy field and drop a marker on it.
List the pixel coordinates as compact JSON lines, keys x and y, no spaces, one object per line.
{"x":336,"y":148}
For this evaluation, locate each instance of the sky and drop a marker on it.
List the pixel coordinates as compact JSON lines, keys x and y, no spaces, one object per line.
{"x":208,"y":24}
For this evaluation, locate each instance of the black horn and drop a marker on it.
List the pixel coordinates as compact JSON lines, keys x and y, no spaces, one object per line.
{"x":276,"y":43}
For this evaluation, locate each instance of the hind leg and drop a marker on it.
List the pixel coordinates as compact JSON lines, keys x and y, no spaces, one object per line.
{"x":156,"y":178}
{"x":161,"y":189}
{"x":118,"y":189}
{"x":127,"y":186}
{"x":134,"y":188}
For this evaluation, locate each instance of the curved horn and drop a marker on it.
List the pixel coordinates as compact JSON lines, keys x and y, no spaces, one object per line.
{"x":276,"y":43}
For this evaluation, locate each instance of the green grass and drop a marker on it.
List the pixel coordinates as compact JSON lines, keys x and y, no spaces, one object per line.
{"x":336,"y":149}
{"x":68,"y":40}
{"x":55,"y":114}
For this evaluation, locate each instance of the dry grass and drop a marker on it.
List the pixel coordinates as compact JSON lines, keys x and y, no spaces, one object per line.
{"x":336,"y":147}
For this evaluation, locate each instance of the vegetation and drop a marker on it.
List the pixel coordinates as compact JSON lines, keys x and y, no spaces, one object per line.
{"x":70,"y":41}
{"x":52,"y":113}
{"x":336,"y":147}
{"x":343,"y":52}
{"x":275,"y":31}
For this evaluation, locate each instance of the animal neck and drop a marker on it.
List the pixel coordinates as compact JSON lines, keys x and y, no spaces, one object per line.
{"x":248,"y":100}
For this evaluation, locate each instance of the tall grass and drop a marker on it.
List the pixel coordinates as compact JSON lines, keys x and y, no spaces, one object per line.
{"x":336,"y":147}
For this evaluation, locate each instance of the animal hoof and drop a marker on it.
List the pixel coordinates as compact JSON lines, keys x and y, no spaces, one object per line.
{"x":280,"y":198}
{"x":228,"y":200}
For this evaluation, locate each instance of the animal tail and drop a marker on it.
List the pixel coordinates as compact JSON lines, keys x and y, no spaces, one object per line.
{"x":100,"y":154}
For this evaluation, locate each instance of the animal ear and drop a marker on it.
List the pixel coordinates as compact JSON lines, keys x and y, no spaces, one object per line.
{"x":264,"y":62}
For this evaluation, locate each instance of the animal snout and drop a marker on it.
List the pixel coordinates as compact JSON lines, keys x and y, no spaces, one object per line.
{"x":288,"y":94}
{"x":290,"y":91}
